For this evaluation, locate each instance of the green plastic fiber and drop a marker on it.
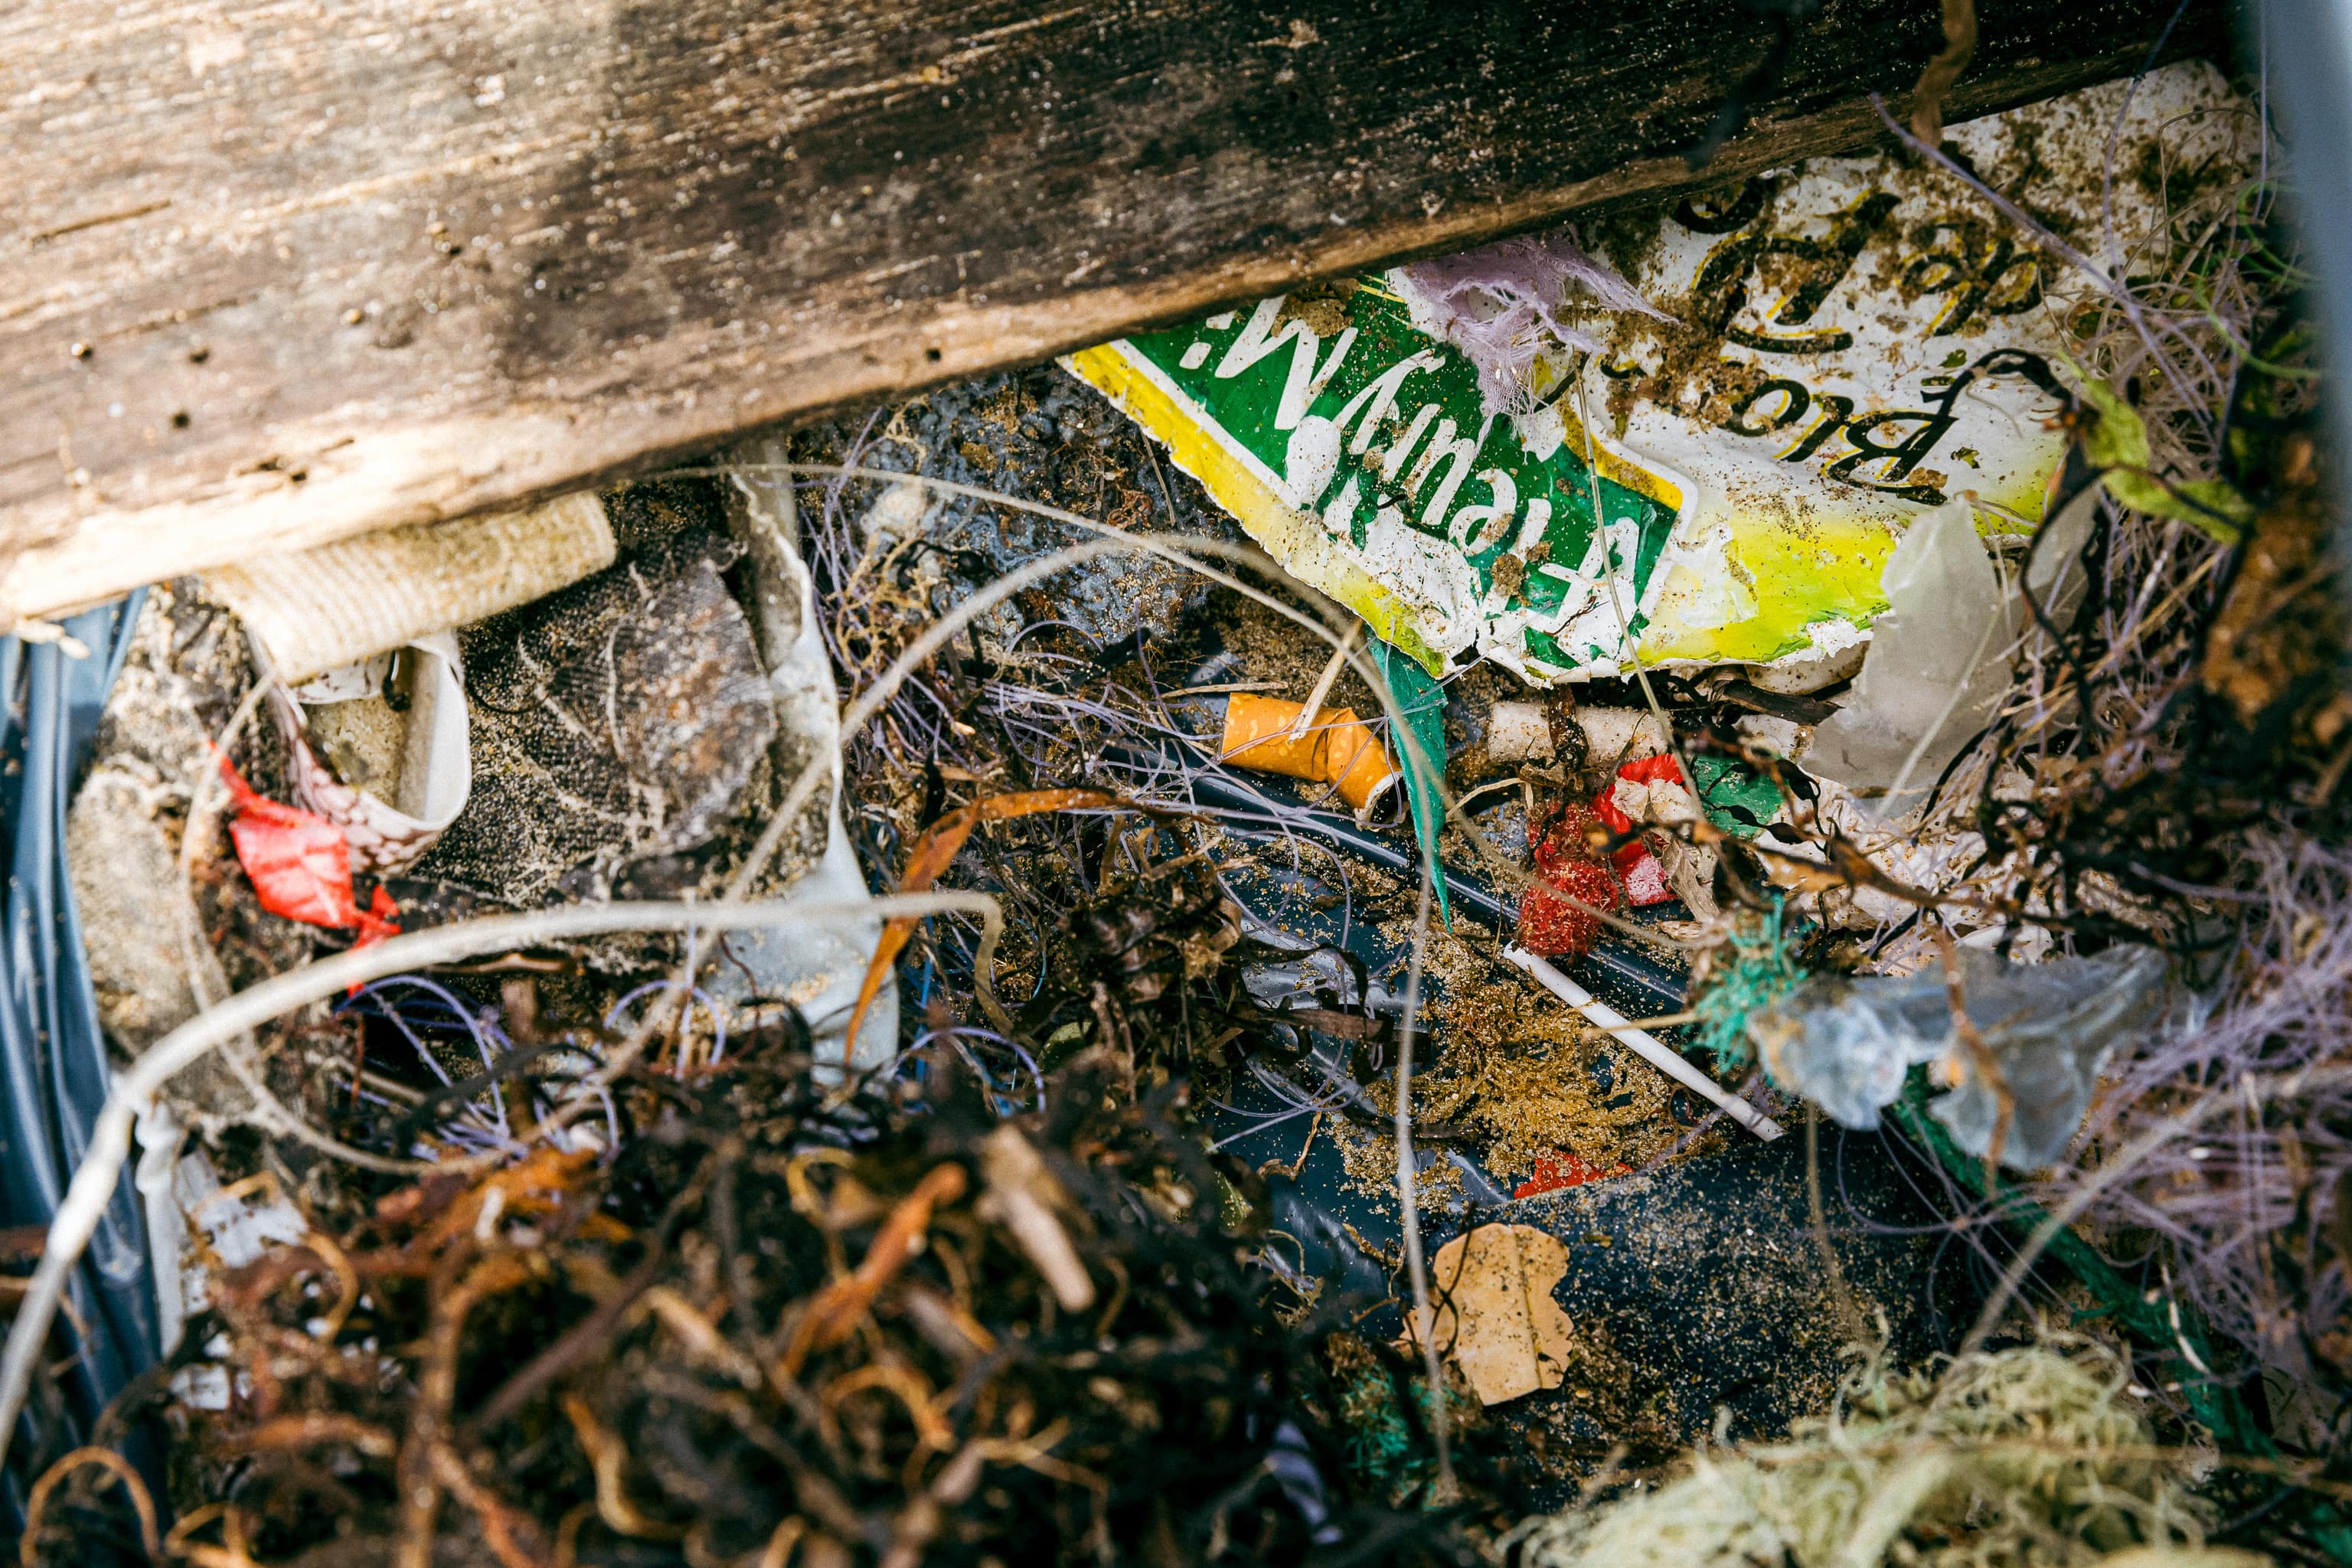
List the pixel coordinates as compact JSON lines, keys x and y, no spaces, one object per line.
{"x":1755,"y":968}
{"x":1421,"y":701}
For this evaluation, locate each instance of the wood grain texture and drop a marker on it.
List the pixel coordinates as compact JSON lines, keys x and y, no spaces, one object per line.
{"x":275,"y":271}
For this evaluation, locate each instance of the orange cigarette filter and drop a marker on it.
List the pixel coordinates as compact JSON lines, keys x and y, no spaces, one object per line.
{"x":1337,"y":749}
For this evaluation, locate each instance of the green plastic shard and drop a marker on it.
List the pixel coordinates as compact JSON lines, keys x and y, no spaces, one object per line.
{"x":1735,"y":797}
{"x":1421,"y":701}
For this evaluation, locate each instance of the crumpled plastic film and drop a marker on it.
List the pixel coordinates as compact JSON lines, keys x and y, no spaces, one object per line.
{"x":2044,"y":1030}
{"x":1938,"y":661}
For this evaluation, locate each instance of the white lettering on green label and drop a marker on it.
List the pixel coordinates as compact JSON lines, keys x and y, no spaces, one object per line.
{"x":1480,"y":526}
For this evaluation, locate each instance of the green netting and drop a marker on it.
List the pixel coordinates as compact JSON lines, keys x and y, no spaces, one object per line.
{"x":1760,"y":969}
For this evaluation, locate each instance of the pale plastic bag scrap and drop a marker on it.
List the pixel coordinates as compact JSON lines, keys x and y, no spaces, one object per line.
{"x":1847,"y":1043}
{"x":1939,"y":658}
{"x":816,"y":966}
{"x":1929,"y":680}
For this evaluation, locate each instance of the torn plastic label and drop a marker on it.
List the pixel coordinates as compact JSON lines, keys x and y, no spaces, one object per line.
{"x":1854,"y":340}
{"x":1857,"y":339}
{"x":1361,"y":452}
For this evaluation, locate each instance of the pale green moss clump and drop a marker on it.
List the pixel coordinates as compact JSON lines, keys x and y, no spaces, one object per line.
{"x":2020,"y":1458}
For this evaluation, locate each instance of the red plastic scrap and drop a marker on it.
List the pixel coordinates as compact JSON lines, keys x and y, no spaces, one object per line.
{"x":300,"y":864}
{"x":1644,"y":875}
{"x":1560,"y":1169}
{"x":1661,"y":768}
{"x":1551,"y":924}
{"x":381,"y":919}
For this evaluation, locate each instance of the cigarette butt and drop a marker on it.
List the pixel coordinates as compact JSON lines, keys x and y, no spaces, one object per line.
{"x":1360,"y":763}
{"x":1519,"y":732}
{"x":1258,"y":736}
{"x":1338,"y":749}
{"x":1611,"y":735}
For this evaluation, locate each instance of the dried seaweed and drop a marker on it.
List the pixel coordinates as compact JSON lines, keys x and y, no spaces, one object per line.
{"x":887,"y":1327}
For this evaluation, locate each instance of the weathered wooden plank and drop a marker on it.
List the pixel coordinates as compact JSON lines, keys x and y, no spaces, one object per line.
{"x":275,"y":271}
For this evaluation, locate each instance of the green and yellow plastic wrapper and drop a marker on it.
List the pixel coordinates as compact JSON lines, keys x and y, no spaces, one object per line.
{"x":1848,"y":342}
{"x":1359,"y":451}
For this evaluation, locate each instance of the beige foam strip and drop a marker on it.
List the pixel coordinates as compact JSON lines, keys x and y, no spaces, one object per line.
{"x":343,"y":602}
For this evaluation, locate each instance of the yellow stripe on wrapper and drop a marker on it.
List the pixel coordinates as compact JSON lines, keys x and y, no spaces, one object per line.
{"x":1300,"y":543}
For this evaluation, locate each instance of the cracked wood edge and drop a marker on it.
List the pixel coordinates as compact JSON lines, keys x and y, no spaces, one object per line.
{"x":315,"y":398}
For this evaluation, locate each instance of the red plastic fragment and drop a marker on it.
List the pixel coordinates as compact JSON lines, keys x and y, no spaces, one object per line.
{"x":300,"y":864}
{"x":1644,"y":875}
{"x":1550,"y":926}
{"x":1641,"y":770}
{"x":1560,"y":1169}
{"x":1567,"y":840}
{"x":380,"y":920}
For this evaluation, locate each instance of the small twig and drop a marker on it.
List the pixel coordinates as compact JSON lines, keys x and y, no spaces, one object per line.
{"x":838,"y":1308}
{"x":1323,"y":684}
{"x":608,"y":1459}
{"x":1655,"y":1051}
{"x":1980,"y":1053}
{"x":579,"y":1342}
{"x":1959,"y":48}
{"x":512,"y":1537}
{"x":1018,"y":1186}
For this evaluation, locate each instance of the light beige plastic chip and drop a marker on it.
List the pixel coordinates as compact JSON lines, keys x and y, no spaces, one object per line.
{"x":1495,"y":1316}
{"x":340,"y":603}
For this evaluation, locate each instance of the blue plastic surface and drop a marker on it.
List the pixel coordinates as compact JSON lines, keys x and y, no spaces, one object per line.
{"x":54,"y":1072}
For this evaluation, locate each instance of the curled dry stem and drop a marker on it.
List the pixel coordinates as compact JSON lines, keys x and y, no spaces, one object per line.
{"x":429,"y":1427}
{"x":28,"y":1545}
{"x":94,"y":1179}
{"x":834,"y":1314}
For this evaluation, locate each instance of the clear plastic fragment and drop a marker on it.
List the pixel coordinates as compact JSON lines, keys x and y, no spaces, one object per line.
{"x":2043,"y":1033}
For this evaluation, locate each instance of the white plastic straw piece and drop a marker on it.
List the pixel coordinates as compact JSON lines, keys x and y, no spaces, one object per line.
{"x":1655,"y":1051}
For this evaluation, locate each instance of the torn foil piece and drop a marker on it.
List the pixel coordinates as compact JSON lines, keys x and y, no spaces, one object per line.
{"x":2044,"y":1031}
